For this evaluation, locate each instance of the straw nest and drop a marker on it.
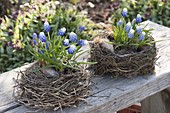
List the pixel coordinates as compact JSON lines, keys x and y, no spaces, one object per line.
{"x":119,"y":62}
{"x":36,"y":90}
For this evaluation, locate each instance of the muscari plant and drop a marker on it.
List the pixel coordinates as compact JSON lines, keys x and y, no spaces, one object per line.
{"x":14,"y":33}
{"x":131,"y":34}
{"x":58,"y":51}
{"x":154,"y":10}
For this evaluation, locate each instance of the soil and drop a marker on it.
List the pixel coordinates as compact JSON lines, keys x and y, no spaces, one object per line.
{"x":98,"y":10}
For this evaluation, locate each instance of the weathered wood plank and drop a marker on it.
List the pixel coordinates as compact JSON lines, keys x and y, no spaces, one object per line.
{"x":157,"y":103}
{"x":110,"y":95}
{"x":6,"y":89}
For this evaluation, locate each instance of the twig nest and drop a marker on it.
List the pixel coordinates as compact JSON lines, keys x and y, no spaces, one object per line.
{"x":36,"y":90}
{"x":118,"y":62}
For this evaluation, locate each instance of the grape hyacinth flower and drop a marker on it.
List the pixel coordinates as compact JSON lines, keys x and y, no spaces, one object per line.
{"x":71,"y":49}
{"x":66,"y":42}
{"x":62,"y":31}
{"x":131,"y":33}
{"x":47,"y":45}
{"x":34,"y":41}
{"x":120,"y":22}
{"x":73,"y":37}
{"x":124,"y":12}
{"x":34,"y":35}
{"x":142,"y":36}
{"x":128,"y":27}
{"x":138,"y":18}
{"x":82,"y":42}
{"x":81,"y":28}
{"x":139,"y":29}
{"x":47,"y":27}
{"x":42,"y":37}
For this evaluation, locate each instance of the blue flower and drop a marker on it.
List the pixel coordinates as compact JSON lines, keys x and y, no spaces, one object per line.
{"x":46,"y":27}
{"x":34,"y":35}
{"x":42,"y":37}
{"x":138,"y":18}
{"x":73,"y":37}
{"x":66,"y":42}
{"x":71,"y":49}
{"x":124,"y":12}
{"x":34,"y":41}
{"x":142,"y":36}
{"x":82,"y":28}
{"x":82,"y":42}
{"x":139,"y":29}
{"x":131,"y":33}
{"x":62,"y":31}
{"x":128,"y":27}
{"x":120,"y":22}
{"x":47,"y":45}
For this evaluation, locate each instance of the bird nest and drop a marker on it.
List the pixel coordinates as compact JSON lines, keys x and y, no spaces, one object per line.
{"x":36,"y":90}
{"x":119,"y":62}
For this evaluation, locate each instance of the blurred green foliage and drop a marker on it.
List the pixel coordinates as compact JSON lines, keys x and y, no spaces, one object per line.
{"x":154,"y":10}
{"x":9,"y":7}
{"x":4,"y":7}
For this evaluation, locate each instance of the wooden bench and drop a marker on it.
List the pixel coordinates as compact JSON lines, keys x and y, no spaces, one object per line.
{"x":110,"y":95}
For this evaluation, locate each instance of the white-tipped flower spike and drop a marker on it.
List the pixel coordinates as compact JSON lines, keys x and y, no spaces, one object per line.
{"x":139,"y":29}
{"x":42,"y":37}
{"x":142,"y":36}
{"x":62,"y":31}
{"x":34,"y":36}
{"x":131,"y":33}
{"x":120,"y":22}
{"x":138,"y":18}
{"x":124,"y":12}
{"x":66,"y":42}
{"x":47,"y":27}
{"x":128,"y":27}
{"x":71,"y":49}
{"x":73,"y":37}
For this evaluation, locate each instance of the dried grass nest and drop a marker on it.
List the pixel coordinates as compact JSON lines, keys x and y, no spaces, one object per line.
{"x":36,"y":90}
{"x":123,"y":61}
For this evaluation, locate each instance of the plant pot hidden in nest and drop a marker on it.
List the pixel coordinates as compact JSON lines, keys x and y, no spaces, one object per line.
{"x":59,"y":78}
{"x":128,"y":52}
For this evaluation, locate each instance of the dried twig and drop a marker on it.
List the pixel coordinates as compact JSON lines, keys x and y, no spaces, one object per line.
{"x":123,"y":62}
{"x":37,"y":91}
